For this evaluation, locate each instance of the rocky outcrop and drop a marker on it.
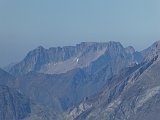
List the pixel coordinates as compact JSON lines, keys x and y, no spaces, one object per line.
{"x":13,"y":105}
{"x":6,"y":78}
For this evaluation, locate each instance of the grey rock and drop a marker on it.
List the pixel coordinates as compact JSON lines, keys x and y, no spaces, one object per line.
{"x":132,"y":95}
{"x":13,"y":105}
{"x":62,"y":59}
{"x":90,"y":81}
{"x":87,"y":68}
{"x":6,"y":78}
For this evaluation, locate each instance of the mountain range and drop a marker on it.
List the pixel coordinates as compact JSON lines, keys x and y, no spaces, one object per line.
{"x":89,"y":81}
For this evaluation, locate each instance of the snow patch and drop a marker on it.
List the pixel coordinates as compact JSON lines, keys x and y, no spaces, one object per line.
{"x":77,"y":60}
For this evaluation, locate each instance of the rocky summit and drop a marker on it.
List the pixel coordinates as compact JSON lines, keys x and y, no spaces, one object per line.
{"x":89,"y":81}
{"x":58,"y":60}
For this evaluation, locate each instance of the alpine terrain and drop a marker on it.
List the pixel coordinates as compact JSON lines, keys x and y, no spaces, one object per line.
{"x":88,"y":81}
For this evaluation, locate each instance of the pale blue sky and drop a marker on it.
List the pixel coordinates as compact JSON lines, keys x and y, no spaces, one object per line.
{"x":26,"y":24}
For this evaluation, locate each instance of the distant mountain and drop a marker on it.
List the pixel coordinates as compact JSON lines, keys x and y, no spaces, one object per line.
{"x":89,"y":81}
{"x":134,"y":94}
{"x":58,"y":60}
{"x":83,"y":71}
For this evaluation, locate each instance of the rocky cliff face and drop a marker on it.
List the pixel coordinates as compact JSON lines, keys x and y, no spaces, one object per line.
{"x":6,"y":78}
{"x":13,"y":105}
{"x":153,"y":51}
{"x":89,"y":81}
{"x":87,"y":68}
{"x":63,"y":59}
{"x":132,"y":95}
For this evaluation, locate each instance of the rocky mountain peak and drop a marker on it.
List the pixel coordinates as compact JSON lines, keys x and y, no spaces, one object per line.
{"x":87,"y":43}
{"x":40,"y":48}
{"x":153,"y":51}
{"x":130,"y":49}
{"x":102,"y":44}
{"x":104,"y":80}
{"x":57,"y":60}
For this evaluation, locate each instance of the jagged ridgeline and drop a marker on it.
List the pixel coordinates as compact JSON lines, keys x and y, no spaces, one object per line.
{"x":89,"y":81}
{"x":58,"y":60}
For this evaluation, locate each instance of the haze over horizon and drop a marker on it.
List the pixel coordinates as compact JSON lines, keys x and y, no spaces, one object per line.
{"x":28,"y":24}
